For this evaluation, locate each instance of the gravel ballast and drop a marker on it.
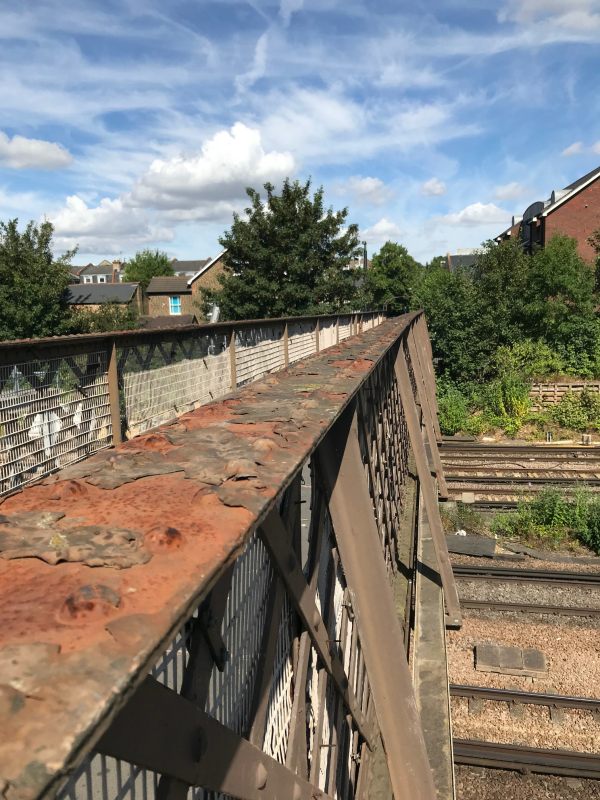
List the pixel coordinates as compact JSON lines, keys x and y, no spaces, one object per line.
{"x":478,"y":783}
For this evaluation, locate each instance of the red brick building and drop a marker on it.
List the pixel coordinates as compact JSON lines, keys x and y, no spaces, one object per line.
{"x":573,"y":211}
{"x":176,"y":295}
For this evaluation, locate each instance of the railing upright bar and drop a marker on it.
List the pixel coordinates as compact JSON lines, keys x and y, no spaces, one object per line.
{"x":113,"y":393}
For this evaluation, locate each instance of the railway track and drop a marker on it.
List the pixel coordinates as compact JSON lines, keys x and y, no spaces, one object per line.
{"x":545,"y":577}
{"x":529,"y":608}
{"x":526,"y":759}
{"x":525,"y":698}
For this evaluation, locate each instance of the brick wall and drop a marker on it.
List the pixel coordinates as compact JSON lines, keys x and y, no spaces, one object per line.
{"x":578,"y":218}
{"x":158,"y":304}
{"x":209,"y":279}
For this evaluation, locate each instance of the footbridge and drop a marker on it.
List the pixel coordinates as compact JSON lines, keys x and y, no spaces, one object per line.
{"x":222,"y":566}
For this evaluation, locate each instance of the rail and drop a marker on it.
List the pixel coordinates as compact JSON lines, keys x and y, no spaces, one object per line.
{"x":209,"y":606}
{"x":64,"y":398}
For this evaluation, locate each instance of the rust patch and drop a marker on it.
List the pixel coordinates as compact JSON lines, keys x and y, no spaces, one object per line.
{"x":162,"y":539}
{"x":92,"y":601}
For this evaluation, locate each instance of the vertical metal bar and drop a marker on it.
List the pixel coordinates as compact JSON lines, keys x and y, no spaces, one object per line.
{"x":380,"y":631}
{"x":286,"y":346}
{"x":453,"y":615}
{"x":317,"y":335}
{"x":337,"y":330}
{"x":232,"y":360}
{"x":113,"y":393}
{"x":427,"y":407}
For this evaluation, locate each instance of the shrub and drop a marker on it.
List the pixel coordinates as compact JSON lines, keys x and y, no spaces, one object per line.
{"x":453,"y":409}
{"x":551,"y":518}
{"x":528,"y":360}
{"x":577,"y":412}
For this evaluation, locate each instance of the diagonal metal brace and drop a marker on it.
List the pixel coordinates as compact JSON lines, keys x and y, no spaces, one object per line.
{"x":275,"y":539}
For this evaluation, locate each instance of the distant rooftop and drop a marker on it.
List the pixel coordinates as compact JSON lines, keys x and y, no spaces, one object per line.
{"x":96,"y":293}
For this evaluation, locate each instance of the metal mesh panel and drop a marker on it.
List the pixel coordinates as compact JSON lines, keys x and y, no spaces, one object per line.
{"x":230,"y":691}
{"x":258,"y":351}
{"x":280,"y":699}
{"x":163,"y":379}
{"x":52,"y":413}
{"x":301,"y":340}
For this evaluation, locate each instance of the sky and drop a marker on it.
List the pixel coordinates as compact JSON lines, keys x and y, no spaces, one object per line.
{"x":140,"y":123}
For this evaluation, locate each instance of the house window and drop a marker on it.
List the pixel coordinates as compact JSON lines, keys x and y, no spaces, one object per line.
{"x":101,"y":278}
{"x":175,"y":305}
{"x":87,"y":278}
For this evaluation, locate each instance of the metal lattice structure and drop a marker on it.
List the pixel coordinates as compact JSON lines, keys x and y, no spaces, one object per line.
{"x":288,"y":662}
{"x":63,"y":399}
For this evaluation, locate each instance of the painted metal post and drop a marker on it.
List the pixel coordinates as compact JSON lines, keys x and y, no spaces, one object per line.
{"x":113,"y":394}
{"x":317,"y":335}
{"x":351,"y":509}
{"x":337,"y":330}
{"x":453,"y":614}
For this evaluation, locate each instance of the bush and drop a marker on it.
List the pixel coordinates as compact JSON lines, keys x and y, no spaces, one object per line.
{"x":551,"y":518}
{"x":453,"y":409}
{"x":528,"y":360}
{"x":578,"y":412}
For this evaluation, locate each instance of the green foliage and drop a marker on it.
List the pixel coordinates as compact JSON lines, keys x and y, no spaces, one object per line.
{"x":528,"y":360}
{"x":391,"y":279}
{"x":552,"y":518}
{"x":453,"y":409}
{"x":578,"y":412}
{"x":32,"y":282}
{"x":109,"y":317}
{"x":145,"y":265}
{"x":287,"y":257}
{"x":461,"y":516}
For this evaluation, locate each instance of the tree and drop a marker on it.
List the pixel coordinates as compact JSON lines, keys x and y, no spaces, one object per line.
{"x":109,"y":317}
{"x":286,"y":257}
{"x":32,"y":282}
{"x":145,"y":265}
{"x":391,"y":278}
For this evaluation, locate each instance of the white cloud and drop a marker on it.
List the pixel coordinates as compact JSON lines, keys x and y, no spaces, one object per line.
{"x":107,"y":227}
{"x":510,"y":191}
{"x":382,"y":231}
{"x":433,"y":187}
{"x":227,"y":163}
{"x":289,"y":7}
{"x":367,"y":190}
{"x":22,"y":153}
{"x":596,"y":148}
{"x":573,"y":149}
{"x":477,"y":214}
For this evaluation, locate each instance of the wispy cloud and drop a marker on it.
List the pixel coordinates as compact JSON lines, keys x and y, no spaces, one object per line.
{"x":573,"y":149}
{"x":477,"y":214}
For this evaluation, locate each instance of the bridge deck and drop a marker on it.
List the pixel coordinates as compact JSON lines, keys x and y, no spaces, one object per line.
{"x":101,"y":564}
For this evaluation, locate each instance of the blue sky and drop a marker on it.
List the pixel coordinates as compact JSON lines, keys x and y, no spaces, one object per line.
{"x":139,"y":123}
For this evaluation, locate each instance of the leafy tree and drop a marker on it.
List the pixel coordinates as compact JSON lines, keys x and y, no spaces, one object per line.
{"x":391,"y":278}
{"x":32,"y":282}
{"x":451,"y":304}
{"x":109,"y":317}
{"x":286,"y":257}
{"x":437,"y":262}
{"x":145,"y":265}
{"x":560,"y":302}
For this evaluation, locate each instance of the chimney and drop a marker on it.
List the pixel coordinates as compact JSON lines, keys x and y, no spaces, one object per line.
{"x":116,"y":268}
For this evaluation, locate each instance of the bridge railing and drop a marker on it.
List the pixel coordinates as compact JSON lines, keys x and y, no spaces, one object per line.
{"x":64,"y":398}
{"x":248,"y":644}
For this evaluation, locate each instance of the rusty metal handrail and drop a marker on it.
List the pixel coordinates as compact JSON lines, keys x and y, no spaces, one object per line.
{"x":174,"y":510}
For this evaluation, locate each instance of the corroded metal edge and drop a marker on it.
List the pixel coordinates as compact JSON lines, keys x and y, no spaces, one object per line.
{"x":76,"y":640}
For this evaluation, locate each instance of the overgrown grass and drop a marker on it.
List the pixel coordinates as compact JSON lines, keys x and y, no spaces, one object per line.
{"x":461,"y":516}
{"x":551,"y":518}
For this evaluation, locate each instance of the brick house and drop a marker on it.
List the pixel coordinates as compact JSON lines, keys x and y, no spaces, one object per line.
{"x":178,"y":295}
{"x":573,"y":211}
{"x":104,"y":272}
